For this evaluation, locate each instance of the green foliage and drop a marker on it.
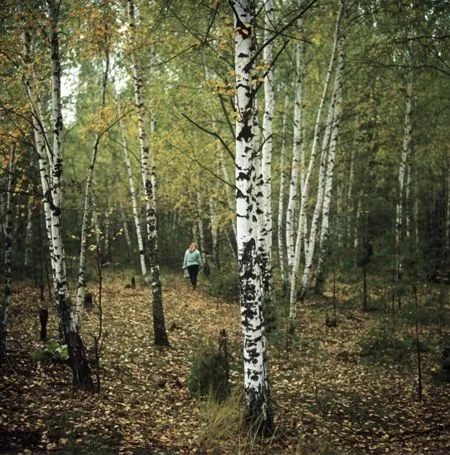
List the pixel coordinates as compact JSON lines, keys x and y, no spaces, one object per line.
{"x":209,"y":374}
{"x":224,"y":284}
{"x":52,"y":352}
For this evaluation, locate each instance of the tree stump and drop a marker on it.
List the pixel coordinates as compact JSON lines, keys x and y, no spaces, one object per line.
{"x":43,"y":319}
{"x":88,"y":301}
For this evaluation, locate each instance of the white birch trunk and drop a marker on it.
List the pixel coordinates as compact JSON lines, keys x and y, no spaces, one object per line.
{"x":336,"y":114}
{"x":298,"y":146}
{"x":325,"y":228}
{"x":149,"y":185}
{"x":311,"y":243}
{"x":267,"y":133}
{"x":4,"y":309}
{"x":404,"y":160}
{"x":81,"y":373}
{"x":256,"y":385}
{"x":134,"y":205}
{"x":305,"y":186}
{"x":201,"y":227}
{"x":126,"y":231}
{"x":281,"y":204}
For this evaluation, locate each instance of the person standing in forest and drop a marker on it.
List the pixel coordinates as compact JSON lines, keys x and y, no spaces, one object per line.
{"x":192,"y":262}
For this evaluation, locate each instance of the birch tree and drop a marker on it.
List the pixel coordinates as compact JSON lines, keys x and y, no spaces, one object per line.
{"x":88,"y":187}
{"x":305,"y":186}
{"x":266,"y":159}
{"x":403,"y":190}
{"x":281,"y":199}
{"x":256,"y":383}
{"x":298,"y":148}
{"x":134,"y":204}
{"x":49,"y":149}
{"x":148,"y":181}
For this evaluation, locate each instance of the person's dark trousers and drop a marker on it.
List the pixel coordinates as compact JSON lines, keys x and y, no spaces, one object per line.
{"x":193,"y":272}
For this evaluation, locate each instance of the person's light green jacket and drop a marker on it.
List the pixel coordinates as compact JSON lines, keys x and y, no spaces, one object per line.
{"x":192,"y":258}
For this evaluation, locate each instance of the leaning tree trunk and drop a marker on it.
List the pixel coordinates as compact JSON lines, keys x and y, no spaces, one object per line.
{"x":87,"y":196}
{"x":325,"y":228}
{"x":305,"y":187}
{"x":148,"y":180}
{"x":8,"y":258}
{"x":309,"y":253}
{"x":256,"y":384}
{"x":81,"y":372}
{"x":134,"y":205}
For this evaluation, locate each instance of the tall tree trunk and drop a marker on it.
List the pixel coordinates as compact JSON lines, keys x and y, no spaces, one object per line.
{"x":256,"y":384}
{"x":81,"y":372}
{"x":305,"y":187}
{"x":281,"y":203}
{"x":309,"y":253}
{"x":298,"y":145}
{"x":402,"y":178}
{"x":81,"y":282}
{"x":134,"y":205}
{"x":8,"y":257}
{"x":266,"y":162}
{"x":149,"y":185}
{"x":336,"y":108}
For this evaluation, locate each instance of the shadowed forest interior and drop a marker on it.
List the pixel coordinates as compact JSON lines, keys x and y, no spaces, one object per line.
{"x":300,"y":149}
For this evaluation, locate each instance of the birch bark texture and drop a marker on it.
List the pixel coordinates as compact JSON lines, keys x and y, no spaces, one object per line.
{"x":267,"y":146}
{"x":149,"y":186}
{"x":256,"y":381}
{"x":50,"y":155}
{"x":301,"y":231}
{"x":134,"y":204}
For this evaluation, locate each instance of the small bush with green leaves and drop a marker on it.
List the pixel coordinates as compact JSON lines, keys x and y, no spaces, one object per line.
{"x":209,"y":374}
{"x":224,"y":284}
{"x":54,"y":351}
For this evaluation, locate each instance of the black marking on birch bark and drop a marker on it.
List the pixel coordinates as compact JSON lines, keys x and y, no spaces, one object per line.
{"x":245,"y":133}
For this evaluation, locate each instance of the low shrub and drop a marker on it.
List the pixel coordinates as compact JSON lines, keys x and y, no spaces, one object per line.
{"x":224,"y":284}
{"x":209,"y":374}
{"x":54,"y":351}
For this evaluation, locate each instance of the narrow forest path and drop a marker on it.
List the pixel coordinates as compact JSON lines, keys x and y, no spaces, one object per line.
{"x":328,"y":398}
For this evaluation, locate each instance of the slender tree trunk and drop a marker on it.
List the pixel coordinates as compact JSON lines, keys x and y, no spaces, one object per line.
{"x":298,"y":146}
{"x":149,"y":185}
{"x":81,"y":372}
{"x":134,"y":205}
{"x":266,"y":162}
{"x":402,"y":178}
{"x":281,"y":204}
{"x":256,"y":384}
{"x":309,"y":253}
{"x":305,"y":187}
{"x":337,"y":101}
{"x":8,"y":257}
{"x":87,"y":193}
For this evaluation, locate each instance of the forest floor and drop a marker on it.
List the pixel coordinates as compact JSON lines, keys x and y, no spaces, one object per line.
{"x":349,"y":389}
